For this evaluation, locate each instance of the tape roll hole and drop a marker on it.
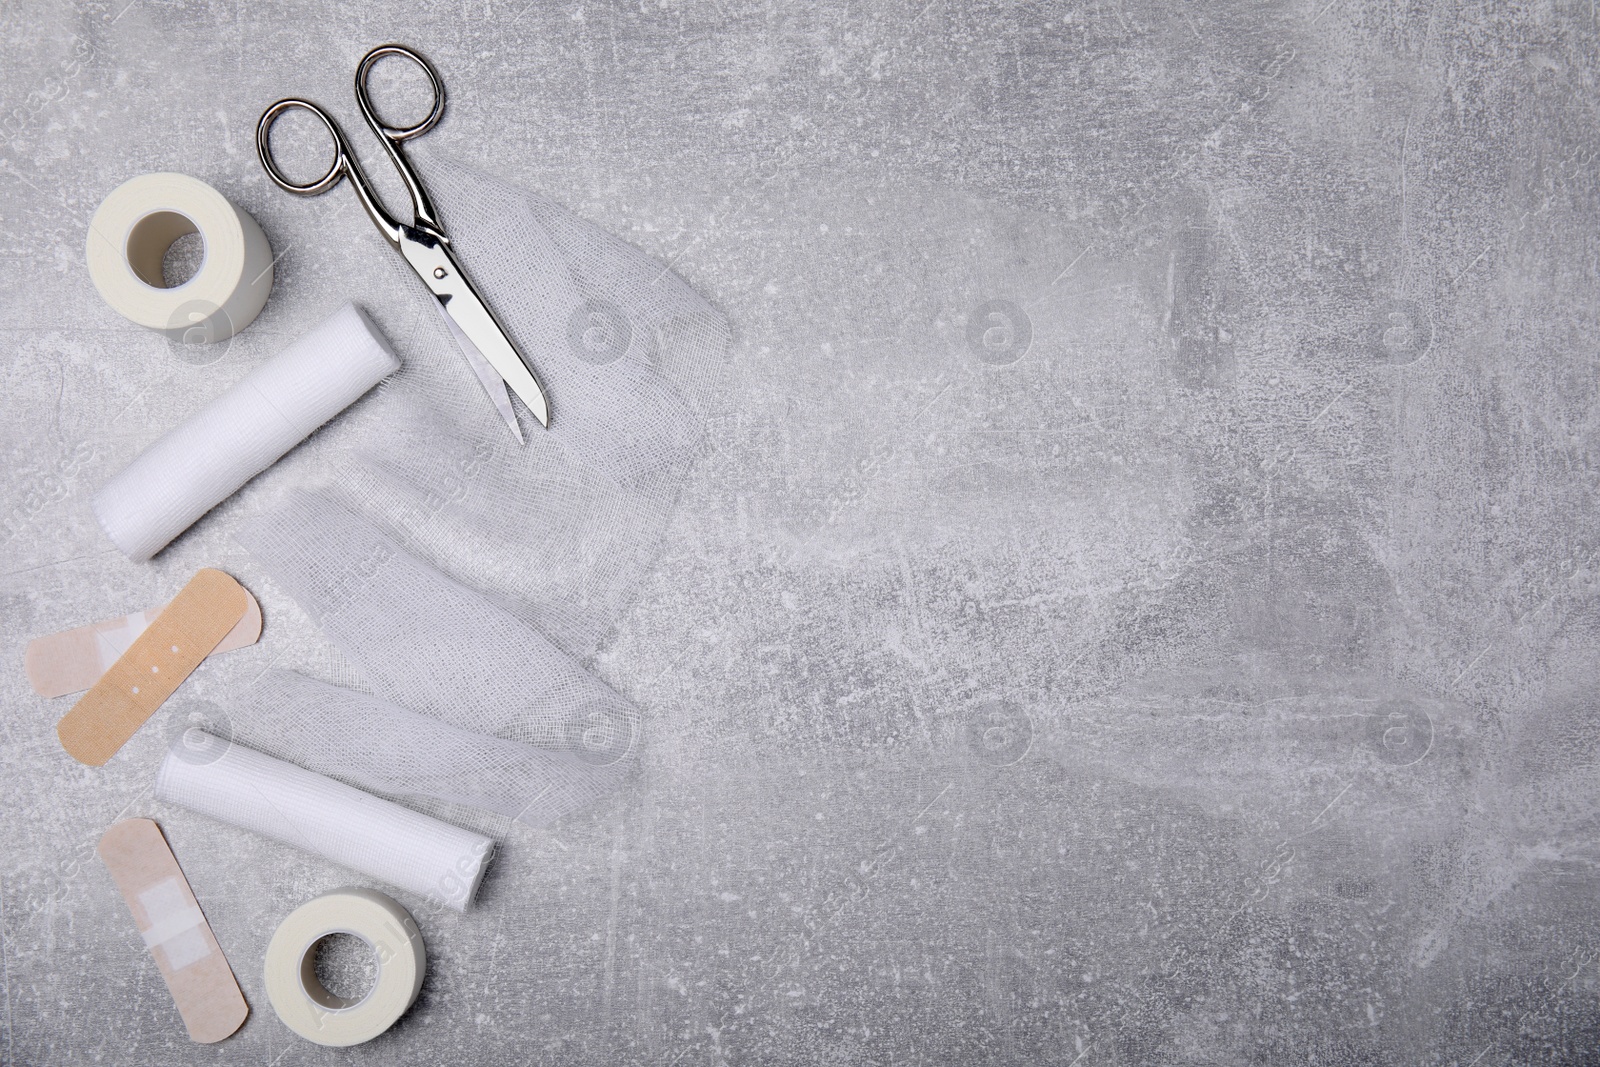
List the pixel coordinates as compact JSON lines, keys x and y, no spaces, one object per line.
{"x":339,"y":970}
{"x":165,"y":249}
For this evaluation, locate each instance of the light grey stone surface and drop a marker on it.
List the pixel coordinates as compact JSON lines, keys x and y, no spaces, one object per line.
{"x":1189,"y":659}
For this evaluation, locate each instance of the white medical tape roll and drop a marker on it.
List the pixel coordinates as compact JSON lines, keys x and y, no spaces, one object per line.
{"x":381,"y":839}
{"x":206,"y":458}
{"x":301,"y":1001}
{"x":130,"y":234}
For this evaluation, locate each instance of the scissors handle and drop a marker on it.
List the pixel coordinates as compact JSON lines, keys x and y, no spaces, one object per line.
{"x":391,"y":136}
{"x":345,"y":163}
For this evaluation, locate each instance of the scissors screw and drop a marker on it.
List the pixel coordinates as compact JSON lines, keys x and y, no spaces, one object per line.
{"x":439,"y":272}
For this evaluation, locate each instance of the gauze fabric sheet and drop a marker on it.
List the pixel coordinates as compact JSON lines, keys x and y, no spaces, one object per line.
{"x":466,"y":576}
{"x":387,"y":749}
{"x":559,"y":530}
{"x":471,"y":705}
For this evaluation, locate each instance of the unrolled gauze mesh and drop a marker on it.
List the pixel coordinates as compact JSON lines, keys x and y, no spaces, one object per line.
{"x":473,"y":705}
{"x":464,"y":573}
{"x":387,"y":749}
{"x":559,"y":529}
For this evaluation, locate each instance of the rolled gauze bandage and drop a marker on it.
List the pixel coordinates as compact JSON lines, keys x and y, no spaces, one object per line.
{"x":206,"y":458}
{"x":398,"y":846}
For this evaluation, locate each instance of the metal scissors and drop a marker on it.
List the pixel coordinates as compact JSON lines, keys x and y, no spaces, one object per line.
{"x":423,"y":242}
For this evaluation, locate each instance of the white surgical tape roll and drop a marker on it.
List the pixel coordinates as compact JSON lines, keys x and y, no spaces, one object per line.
{"x":301,"y":1001}
{"x":395,"y":845}
{"x":130,"y":234}
{"x":207,"y":457}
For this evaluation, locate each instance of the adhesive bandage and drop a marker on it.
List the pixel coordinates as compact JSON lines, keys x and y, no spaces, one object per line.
{"x":174,"y":930}
{"x":73,"y":660}
{"x":150,"y":671}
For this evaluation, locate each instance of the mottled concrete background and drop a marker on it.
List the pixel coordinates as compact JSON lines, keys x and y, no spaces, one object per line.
{"x":1138,"y":606}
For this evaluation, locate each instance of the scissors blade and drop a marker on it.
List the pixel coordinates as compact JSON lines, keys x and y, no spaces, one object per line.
{"x":438,"y":269}
{"x":493,"y":384}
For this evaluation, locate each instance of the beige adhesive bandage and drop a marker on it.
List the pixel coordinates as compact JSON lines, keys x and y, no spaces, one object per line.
{"x":174,"y":930}
{"x":157,"y":662}
{"x":73,"y":660}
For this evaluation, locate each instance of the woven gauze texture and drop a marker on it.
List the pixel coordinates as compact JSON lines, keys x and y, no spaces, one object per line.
{"x":560,"y":529}
{"x":471,"y":704}
{"x":466,"y":575}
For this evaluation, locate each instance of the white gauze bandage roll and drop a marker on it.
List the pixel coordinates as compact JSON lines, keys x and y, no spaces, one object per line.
{"x":395,"y":845}
{"x":209,"y":456}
